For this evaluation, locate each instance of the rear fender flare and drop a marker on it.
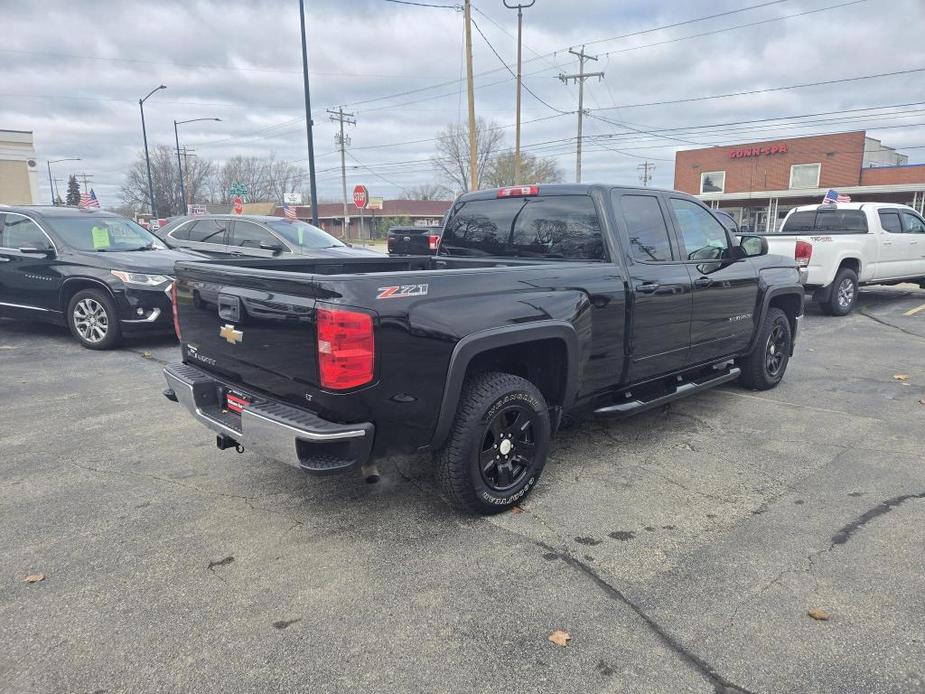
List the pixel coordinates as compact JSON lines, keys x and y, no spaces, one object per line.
{"x":472,"y":345}
{"x":773,"y":292}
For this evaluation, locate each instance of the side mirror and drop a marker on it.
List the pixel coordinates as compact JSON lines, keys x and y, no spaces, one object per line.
{"x":275,"y":247}
{"x":31,"y":250}
{"x":754,"y":245}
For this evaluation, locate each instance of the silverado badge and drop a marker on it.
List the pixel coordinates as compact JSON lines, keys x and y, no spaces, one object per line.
{"x":230,"y":334}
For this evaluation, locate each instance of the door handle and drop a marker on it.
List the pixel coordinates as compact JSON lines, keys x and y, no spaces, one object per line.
{"x":702,"y":282}
{"x":886,"y":243}
{"x":647,"y":287}
{"x":4,"y":260}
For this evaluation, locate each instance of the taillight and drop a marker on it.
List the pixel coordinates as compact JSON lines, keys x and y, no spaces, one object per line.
{"x":173,"y":304}
{"x":803,"y":253}
{"x":433,"y":241}
{"x":518,"y":191}
{"x":346,"y":350}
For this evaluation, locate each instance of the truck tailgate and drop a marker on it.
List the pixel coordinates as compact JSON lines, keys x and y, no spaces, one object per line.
{"x":232,"y":323}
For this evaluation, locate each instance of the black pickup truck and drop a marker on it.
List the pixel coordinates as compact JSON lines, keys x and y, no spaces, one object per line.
{"x":542,"y":302}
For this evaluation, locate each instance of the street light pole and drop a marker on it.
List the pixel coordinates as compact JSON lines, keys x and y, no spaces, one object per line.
{"x":144,"y":134}
{"x":520,"y":19}
{"x":51,"y":183}
{"x":176,"y":136}
{"x":313,"y":189}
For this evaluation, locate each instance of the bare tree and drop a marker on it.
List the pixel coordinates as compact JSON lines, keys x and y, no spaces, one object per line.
{"x":426,"y":191}
{"x":533,"y":169}
{"x":166,"y":180}
{"x":452,"y":158}
{"x":265,"y":178}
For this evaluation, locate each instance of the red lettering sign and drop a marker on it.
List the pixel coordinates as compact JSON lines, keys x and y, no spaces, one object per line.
{"x":758,"y":151}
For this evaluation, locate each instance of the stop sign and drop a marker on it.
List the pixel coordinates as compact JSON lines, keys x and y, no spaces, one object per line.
{"x":360,"y":196}
{"x":237,"y":205}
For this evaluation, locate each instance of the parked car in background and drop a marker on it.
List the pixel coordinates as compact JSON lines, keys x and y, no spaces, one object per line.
{"x":414,"y":240}
{"x":253,"y":236}
{"x":542,"y":301}
{"x":848,"y":245}
{"x":101,"y":275}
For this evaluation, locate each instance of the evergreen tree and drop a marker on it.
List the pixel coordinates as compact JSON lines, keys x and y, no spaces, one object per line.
{"x":73,"y":191}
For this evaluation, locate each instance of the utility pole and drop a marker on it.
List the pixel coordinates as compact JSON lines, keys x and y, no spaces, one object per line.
{"x":645,"y":176}
{"x":342,"y":141}
{"x":520,"y":16}
{"x":308,"y":118}
{"x":580,"y":78}
{"x":473,"y":149}
{"x":84,"y":175}
{"x":180,"y":168}
{"x":51,"y":183}
{"x":144,"y":134}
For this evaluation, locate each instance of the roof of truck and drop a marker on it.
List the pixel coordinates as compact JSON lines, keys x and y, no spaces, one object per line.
{"x":851,"y":206}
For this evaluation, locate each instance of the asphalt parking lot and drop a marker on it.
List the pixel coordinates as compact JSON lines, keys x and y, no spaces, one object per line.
{"x":681,"y":549}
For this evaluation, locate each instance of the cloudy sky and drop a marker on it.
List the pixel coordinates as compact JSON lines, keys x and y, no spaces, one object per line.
{"x":72,"y":72}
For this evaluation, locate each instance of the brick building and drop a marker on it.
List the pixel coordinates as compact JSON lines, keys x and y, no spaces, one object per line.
{"x":759,"y":182}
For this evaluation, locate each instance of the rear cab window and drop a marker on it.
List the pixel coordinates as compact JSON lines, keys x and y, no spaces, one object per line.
{"x":833,"y":221}
{"x":565,"y":227}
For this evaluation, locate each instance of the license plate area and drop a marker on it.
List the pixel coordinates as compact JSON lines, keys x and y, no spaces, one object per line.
{"x":235,"y":402}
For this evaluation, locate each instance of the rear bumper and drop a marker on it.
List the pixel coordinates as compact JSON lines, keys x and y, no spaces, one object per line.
{"x":271,"y":428}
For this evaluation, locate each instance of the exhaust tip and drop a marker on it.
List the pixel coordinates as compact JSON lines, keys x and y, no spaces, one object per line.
{"x":370,"y":473}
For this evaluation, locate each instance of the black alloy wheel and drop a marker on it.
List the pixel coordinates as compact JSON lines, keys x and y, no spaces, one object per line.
{"x":778,"y":344}
{"x":497,"y":446}
{"x":508,"y":448}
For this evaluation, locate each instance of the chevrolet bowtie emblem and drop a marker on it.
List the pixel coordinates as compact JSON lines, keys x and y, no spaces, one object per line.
{"x":230,"y":334}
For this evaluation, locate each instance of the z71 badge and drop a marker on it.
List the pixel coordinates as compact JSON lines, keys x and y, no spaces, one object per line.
{"x":401,"y":291}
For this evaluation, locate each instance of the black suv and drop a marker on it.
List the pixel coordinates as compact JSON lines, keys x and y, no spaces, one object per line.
{"x":253,"y":236}
{"x":98,"y":273}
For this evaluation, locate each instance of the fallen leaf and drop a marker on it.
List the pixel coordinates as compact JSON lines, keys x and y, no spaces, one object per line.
{"x":900,"y":377}
{"x":516,"y":509}
{"x":819,"y":614}
{"x":146,"y":355}
{"x":560,"y":638}
{"x":921,"y":402}
{"x":34,"y":578}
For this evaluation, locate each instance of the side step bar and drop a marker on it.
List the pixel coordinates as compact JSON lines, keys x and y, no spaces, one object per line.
{"x":630,"y":407}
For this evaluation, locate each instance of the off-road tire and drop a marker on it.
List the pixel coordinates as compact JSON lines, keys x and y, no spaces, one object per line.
{"x":485,"y":398}
{"x":756,"y":371}
{"x":95,"y":297}
{"x":836,"y":305}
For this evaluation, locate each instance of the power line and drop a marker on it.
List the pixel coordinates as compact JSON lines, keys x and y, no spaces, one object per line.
{"x":425,"y":4}
{"x":767,"y":90}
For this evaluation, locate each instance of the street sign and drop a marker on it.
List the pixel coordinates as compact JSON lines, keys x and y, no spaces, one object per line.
{"x":360,"y":197}
{"x":237,"y":189}
{"x":237,"y":205}
{"x":292,"y":198}
{"x":196,"y":210}
{"x":375,"y":203}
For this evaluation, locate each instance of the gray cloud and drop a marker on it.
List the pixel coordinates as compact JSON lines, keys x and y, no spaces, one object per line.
{"x":241,"y":62}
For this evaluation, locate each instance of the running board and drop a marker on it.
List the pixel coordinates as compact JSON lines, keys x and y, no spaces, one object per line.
{"x":629,"y":407}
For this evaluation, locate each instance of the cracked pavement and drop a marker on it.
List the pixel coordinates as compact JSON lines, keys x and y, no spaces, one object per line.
{"x":681,"y":549}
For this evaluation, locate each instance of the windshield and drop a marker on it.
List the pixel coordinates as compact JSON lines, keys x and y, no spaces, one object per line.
{"x":102,"y":234}
{"x":305,"y":235}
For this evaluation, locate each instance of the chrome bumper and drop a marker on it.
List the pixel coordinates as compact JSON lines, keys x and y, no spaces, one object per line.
{"x":270,"y":428}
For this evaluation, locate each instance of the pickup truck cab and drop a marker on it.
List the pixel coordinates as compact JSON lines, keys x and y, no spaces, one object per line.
{"x":542,"y":302}
{"x":845,"y":246}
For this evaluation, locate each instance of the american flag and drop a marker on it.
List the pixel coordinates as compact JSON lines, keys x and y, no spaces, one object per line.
{"x":833,"y":196}
{"x":88,"y":200}
{"x":289,"y":211}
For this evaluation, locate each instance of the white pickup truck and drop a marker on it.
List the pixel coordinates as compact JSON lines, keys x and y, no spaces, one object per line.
{"x":842,"y":247}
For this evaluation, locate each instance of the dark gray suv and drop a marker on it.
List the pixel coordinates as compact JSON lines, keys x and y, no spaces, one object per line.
{"x":253,"y":236}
